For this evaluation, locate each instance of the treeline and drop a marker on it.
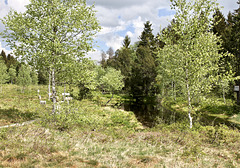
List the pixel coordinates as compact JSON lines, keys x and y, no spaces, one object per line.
{"x":14,"y":72}
{"x":137,"y":63}
{"x":144,"y":64}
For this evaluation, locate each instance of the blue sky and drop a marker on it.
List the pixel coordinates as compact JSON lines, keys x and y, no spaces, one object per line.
{"x":118,"y":19}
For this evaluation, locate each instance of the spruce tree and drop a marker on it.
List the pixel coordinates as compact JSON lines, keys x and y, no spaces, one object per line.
{"x":125,"y":62}
{"x":4,"y":57}
{"x":144,"y":66}
{"x":234,"y":44}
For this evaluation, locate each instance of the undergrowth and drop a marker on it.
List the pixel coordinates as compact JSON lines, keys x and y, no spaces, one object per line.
{"x":85,"y":134}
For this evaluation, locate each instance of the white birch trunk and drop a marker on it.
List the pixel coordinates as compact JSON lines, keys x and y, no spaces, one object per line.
{"x":189,"y":100}
{"x":53,"y":91}
{"x":224,"y":96}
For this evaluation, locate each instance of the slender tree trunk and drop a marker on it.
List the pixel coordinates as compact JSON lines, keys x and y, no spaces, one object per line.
{"x":49,"y":85}
{"x":238,"y":93}
{"x":53,"y":91}
{"x":189,"y":100}
{"x":64,"y":92}
{"x":224,"y":96}
{"x":109,"y":100}
{"x":174,"y":90}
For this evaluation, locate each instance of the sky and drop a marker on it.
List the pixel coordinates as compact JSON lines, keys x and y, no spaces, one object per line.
{"x":118,"y":18}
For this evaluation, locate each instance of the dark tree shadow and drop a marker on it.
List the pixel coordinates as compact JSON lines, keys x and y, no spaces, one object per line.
{"x":14,"y":115}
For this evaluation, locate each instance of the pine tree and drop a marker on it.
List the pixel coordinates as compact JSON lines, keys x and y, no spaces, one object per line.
{"x":235,"y":38}
{"x":110,"y":52}
{"x":103,"y":59}
{"x":219,"y":23}
{"x":144,"y":66}
{"x":125,"y":61}
{"x":126,"y":42}
{"x":147,"y":37}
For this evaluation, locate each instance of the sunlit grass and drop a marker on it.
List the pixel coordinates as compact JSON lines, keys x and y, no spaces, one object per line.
{"x":85,"y":134}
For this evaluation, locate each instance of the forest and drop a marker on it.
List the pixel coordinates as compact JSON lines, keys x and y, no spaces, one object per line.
{"x":168,"y":100}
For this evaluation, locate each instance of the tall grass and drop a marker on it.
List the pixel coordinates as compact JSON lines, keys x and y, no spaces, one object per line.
{"x":84,"y":134}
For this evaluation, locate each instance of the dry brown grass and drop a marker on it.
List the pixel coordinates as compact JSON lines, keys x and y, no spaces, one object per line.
{"x":112,"y":143}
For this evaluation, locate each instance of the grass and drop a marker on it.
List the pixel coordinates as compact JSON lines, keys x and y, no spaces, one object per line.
{"x":85,"y":134}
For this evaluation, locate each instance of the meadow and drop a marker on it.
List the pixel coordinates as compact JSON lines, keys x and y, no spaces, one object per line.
{"x":87,"y":134}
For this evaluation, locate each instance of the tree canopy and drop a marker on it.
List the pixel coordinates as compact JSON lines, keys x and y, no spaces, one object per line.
{"x":192,"y":60}
{"x":51,"y":34}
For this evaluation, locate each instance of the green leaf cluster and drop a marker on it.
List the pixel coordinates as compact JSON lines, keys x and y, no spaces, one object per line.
{"x":4,"y":77}
{"x":112,"y":80}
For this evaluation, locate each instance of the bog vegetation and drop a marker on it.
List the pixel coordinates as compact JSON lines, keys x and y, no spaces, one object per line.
{"x":166,"y":101}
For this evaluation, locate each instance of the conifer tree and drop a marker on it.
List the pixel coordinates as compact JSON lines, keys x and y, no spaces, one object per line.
{"x":144,"y":67}
{"x":236,"y":45}
{"x":103,"y":59}
{"x":125,"y":62}
{"x":126,"y":42}
{"x":4,"y":57}
{"x":110,"y":52}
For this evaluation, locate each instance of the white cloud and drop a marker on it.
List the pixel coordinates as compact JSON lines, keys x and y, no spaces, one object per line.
{"x":18,"y":5}
{"x":94,"y":55}
{"x":130,"y":34}
{"x":5,"y":50}
{"x":115,"y":42}
{"x":118,"y":16}
{"x":229,"y":5}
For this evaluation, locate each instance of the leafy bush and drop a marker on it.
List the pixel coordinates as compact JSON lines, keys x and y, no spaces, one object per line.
{"x":86,"y":115}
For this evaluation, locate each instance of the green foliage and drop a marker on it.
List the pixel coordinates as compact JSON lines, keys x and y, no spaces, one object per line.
{"x":12,"y":74}
{"x":81,"y":133}
{"x":111,"y":81}
{"x":85,"y":115}
{"x":126,"y":42}
{"x":57,"y":31}
{"x":143,"y":72}
{"x":192,"y":62}
{"x":9,"y":60}
{"x":24,"y":78}
{"x":4,"y":77}
{"x":52,"y":35}
{"x":34,"y":77}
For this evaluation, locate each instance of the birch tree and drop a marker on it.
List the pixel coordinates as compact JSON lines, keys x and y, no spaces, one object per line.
{"x":111,"y":81}
{"x":194,"y":57}
{"x":51,"y":34}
